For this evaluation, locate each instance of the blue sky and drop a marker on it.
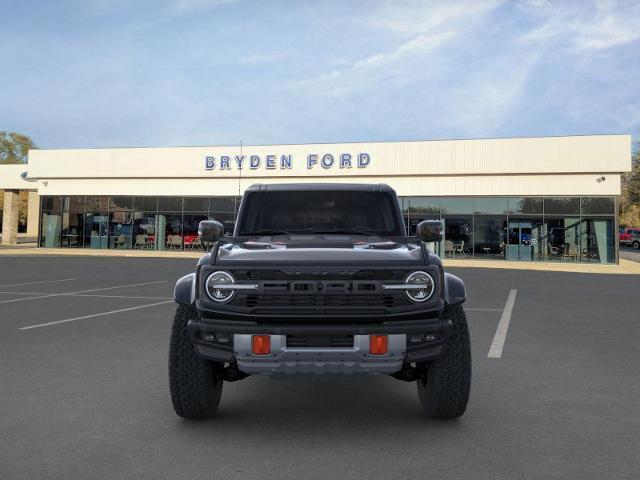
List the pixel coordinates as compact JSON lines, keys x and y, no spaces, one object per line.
{"x":102,"y":73}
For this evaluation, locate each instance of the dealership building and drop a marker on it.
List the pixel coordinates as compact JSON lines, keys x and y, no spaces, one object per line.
{"x":531,"y":199}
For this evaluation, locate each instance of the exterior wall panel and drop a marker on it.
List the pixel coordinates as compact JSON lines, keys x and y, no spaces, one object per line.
{"x":466,"y":185}
{"x":551,"y":155}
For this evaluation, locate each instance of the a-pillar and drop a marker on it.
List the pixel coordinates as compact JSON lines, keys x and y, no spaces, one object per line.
{"x":33,"y":214}
{"x":10,"y":217}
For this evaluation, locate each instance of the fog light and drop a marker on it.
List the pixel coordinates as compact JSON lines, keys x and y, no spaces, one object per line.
{"x":261,"y":344}
{"x":378,"y":344}
{"x":209,"y":336}
{"x":430,"y":338}
{"x":223,"y":338}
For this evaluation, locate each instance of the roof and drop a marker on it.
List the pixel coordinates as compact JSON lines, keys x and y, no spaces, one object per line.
{"x":321,"y":187}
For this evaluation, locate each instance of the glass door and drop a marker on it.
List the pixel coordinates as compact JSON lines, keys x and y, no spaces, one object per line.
{"x":524,"y":238}
{"x":97,"y":228}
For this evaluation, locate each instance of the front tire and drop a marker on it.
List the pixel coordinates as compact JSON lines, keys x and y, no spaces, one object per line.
{"x":195,"y":383}
{"x":444,"y":392}
{"x":636,"y":245}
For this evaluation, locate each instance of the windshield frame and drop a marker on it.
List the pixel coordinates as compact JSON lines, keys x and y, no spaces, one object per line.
{"x":399,"y":228}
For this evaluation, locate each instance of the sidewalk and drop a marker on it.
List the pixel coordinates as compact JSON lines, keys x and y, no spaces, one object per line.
{"x":626,"y":267}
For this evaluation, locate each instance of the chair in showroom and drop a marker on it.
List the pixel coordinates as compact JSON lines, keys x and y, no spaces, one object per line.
{"x":458,"y":248}
{"x":175,"y":243}
{"x":121,"y":241}
{"x":195,"y":243}
{"x":141,"y":241}
{"x":448,"y":248}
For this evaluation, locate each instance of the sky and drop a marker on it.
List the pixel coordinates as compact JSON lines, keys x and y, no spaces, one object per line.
{"x":115,"y":73}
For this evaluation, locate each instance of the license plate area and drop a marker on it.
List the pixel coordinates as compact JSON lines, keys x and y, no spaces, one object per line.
{"x":319,"y":341}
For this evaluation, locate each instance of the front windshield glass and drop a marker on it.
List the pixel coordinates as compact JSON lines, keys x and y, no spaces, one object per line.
{"x":340,"y":212}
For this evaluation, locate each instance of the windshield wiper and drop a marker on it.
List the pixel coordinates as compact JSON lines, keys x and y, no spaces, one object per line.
{"x":265,"y":232}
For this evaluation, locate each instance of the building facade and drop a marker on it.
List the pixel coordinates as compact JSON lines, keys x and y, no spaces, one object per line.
{"x":530,"y":199}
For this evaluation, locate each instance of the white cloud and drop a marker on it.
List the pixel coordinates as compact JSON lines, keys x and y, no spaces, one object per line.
{"x":479,"y":105}
{"x":607,"y":24}
{"x":423,"y":29}
{"x":362,"y":73}
{"x":418,"y":17}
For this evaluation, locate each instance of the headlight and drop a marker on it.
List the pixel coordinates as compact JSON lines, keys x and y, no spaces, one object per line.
{"x":425,"y":286}
{"x":215,"y":286}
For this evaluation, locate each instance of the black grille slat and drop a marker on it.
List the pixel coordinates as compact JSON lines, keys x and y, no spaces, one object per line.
{"x":305,"y":274}
{"x":329,"y":300}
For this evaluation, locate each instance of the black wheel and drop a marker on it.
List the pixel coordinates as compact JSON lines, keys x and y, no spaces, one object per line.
{"x":636,"y":245}
{"x":195,"y":383}
{"x":444,"y":392}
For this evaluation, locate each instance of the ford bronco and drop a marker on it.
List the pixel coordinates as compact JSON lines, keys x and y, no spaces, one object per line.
{"x":319,"y":279}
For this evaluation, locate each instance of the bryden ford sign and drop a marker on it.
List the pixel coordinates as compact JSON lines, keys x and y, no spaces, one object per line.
{"x":285,"y":162}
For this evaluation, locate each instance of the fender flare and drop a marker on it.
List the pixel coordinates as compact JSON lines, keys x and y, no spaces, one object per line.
{"x":184,"y":292}
{"x":454,"y":291}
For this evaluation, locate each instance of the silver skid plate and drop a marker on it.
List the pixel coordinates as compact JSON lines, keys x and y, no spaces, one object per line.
{"x":286,"y":361}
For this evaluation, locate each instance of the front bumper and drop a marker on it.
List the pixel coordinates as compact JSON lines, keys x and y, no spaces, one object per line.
{"x":285,"y":360}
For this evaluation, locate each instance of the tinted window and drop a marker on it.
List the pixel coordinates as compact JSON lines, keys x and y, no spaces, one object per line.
{"x":196,"y":204}
{"x":525,"y":206}
{"x":321,"y":211}
{"x":597,"y":206}
{"x":424,"y":205}
{"x":222,"y":204}
{"x":146,"y":203}
{"x":170,"y":204}
{"x":491,"y":206}
{"x":457,"y":205}
{"x":121,"y":203}
{"x":562,"y":205}
{"x":97,"y":204}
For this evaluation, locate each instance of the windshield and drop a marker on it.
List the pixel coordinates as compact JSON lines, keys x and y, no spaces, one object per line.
{"x":355,"y":212}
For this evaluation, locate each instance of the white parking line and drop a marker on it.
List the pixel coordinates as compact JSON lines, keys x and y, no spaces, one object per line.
{"x":87,"y":295}
{"x":476,"y":309}
{"x":115,"y":296}
{"x":84,"y":317}
{"x":80,"y":291}
{"x":503,"y":326}
{"x":21,"y":293}
{"x":41,"y":281}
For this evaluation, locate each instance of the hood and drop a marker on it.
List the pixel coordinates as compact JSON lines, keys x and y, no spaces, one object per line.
{"x":320,"y":249}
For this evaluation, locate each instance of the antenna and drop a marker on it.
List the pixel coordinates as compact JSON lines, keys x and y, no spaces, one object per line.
{"x":235,"y":212}
{"x":240,"y":169}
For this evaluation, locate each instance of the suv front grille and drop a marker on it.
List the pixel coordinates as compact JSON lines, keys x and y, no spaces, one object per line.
{"x":329,"y":300}
{"x":313,"y":296}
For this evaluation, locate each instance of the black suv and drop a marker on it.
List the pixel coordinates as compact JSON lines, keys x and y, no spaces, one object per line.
{"x":319,"y":279}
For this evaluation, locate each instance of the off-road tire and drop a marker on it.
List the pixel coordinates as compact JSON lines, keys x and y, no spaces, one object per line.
{"x":444,"y":392}
{"x":195,"y":383}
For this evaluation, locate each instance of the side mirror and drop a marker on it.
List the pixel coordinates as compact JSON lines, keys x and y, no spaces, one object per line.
{"x":210,"y":231}
{"x":429,"y":231}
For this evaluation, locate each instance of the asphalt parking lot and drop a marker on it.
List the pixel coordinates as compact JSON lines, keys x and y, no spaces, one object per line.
{"x":630,"y":253}
{"x":84,"y":395}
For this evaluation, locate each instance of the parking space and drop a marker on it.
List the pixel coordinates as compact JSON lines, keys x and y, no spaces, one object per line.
{"x":85,"y":394}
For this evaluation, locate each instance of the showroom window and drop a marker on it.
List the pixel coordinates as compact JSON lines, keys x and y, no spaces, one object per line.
{"x":563,"y":229}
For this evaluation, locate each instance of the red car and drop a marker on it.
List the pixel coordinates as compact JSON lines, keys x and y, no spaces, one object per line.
{"x":629,"y":237}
